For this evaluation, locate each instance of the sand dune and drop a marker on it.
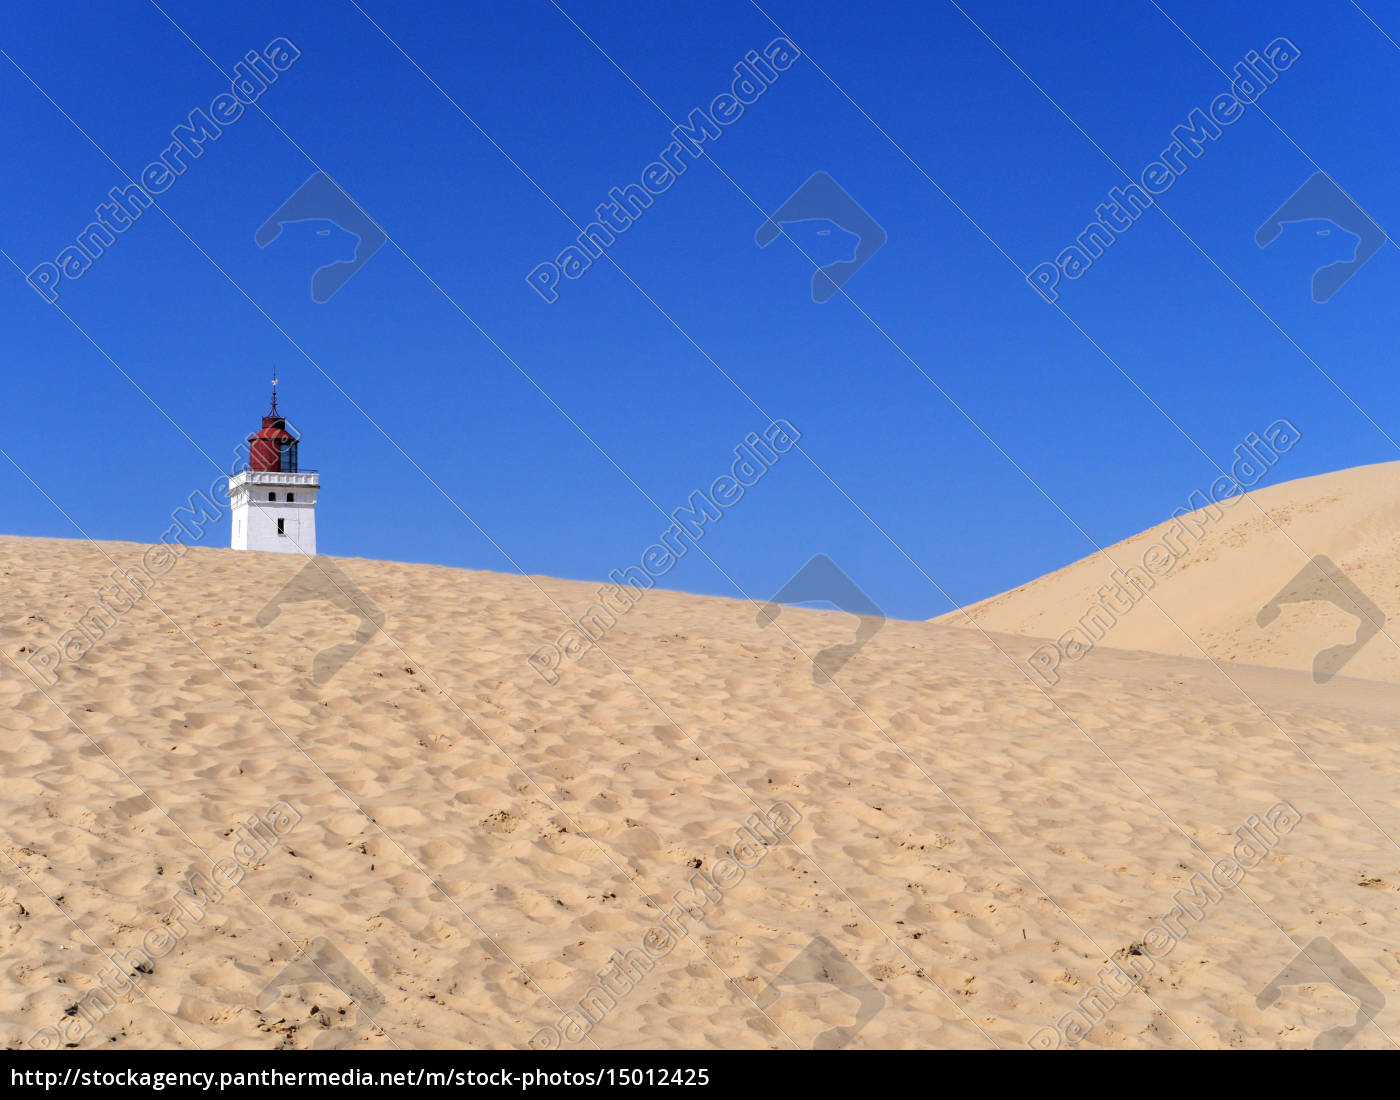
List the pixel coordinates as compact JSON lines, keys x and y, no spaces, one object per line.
{"x":934,"y":851}
{"x":1198,"y":584}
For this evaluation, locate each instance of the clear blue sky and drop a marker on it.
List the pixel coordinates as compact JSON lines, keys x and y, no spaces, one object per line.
{"x":623,"y":363}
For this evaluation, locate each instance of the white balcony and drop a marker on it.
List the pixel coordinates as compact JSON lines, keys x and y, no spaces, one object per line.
{"x":304,"y":478}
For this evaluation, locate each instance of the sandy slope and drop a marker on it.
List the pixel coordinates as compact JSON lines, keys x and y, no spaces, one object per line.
{"x":476,"y":842}
{"x":1224,"y":568}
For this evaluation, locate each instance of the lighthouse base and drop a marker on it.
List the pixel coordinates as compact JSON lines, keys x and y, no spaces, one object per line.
{"x":274,"y":511}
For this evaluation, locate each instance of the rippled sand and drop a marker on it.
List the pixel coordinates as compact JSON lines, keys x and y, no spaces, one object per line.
{"x":961,"y":854}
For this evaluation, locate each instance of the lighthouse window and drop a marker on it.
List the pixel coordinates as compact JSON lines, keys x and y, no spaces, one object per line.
{"x":281,"y":526}
{"x":291,"y":498}
{"x":271,"y":496}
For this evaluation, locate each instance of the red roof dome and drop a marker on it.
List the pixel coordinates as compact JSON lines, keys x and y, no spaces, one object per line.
{"x":273,"y":427}
{"x":273,"y":448}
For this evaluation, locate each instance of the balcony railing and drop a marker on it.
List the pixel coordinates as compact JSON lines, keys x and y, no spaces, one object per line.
{"x":294,"y":477}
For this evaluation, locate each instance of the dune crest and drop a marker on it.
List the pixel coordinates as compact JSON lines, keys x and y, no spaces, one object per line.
{"x":321,"y":824}
{"x":1278,"y":577}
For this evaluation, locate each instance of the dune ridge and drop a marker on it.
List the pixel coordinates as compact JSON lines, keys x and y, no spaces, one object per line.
{"x":1198,"y":586}
{"x":434,"y":847}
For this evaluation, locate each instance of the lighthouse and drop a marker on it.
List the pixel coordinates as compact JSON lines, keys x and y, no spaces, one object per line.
{"x":272,"y":498}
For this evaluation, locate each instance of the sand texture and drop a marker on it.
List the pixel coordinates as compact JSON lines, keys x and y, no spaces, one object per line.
{"x":956,"y":857}
{"x":1227,"y":564}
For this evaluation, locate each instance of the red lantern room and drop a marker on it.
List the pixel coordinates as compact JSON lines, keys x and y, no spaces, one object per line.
{"x":273,"y":448}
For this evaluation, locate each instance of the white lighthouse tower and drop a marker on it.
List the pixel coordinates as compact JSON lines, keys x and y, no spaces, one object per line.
{"x":273,"y":499}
